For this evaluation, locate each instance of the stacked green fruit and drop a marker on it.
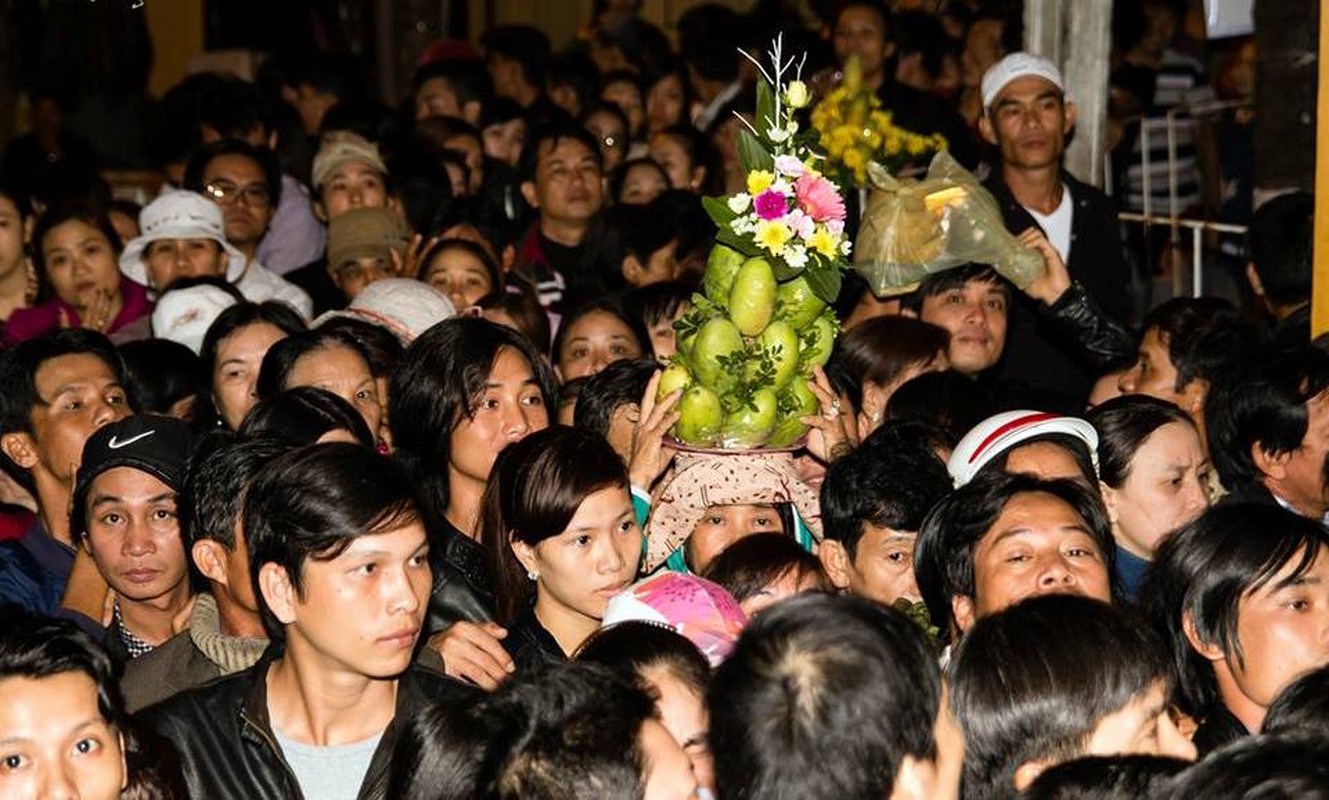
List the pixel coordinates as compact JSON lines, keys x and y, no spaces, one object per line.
{"x":746,"y":352}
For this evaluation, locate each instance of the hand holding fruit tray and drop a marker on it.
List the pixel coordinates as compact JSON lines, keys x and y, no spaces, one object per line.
{"x":913,"y":229}
{"x":749,"y":347}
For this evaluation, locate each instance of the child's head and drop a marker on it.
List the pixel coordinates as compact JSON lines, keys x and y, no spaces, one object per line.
{"x":659,"y":306}
{"x":558,"y":523}
{"x":764,"y":568}
{"x":609,"y":401}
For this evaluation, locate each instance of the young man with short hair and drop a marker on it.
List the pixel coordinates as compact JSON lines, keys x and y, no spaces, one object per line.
{"x":59,"y":390}
{"x":830,"y":697}
{"x":1279,"y":271}
{"x":224,"y":634}
{"x":340,"y":563}
{"x":1001,"y":538}
{"x":873,"y":501}
{"x":126,"y":515}
{"x":1056,"y":677}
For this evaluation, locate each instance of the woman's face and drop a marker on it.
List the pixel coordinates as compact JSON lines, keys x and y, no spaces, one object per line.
{"x":664,"y":339}
{"x":510,"y":407}
{"x":641,"y":185}
{"x":721,"y":526}
{"x":80,"y":263}
{"x":504,"y":141}
{"x":794,"y":581}
{"x":235,"y":371}
{"x":168,"y":260}
{"x":594,"y":341}
{"x":1167,"y":487}
{"x":673,"y":159}
{"x":628,"y":98}
{"x":460,"y":275}
{"x":345,"y":373}
{"x":13,"y":235}
{"x":664,"y":103}
{"x":54,"y":741}
{"x":592,"y":560}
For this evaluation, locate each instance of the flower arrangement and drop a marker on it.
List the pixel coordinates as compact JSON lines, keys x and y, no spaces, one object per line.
{"x":752,"y":340}
{"x":854,"y":131}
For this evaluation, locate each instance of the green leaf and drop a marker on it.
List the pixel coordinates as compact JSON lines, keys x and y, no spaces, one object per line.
{"x":743,"y":244}
{"x":783,"y":271}
{"x":824,"y":281}
{"x":752,"y":154}
{"x":765,"y":105}
{"x":718,"y":208}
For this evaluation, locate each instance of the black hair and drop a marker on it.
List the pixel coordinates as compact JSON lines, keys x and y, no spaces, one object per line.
{"x":331,"y":73}
{"x":879,"y":350}
{"x":1124,"y":424}
{"x":37,"y":647}
{"x":219,"y":471}
{"x":1302,"y":706}
{"x":619,"y":384}
{"x":621,"y":231}
{"x":673,"y":68}
{"x":882,"y":486}
{"x":944,"y":550}
{"x":1264,"y":405}
{"x":1259,"y":768}
{"x":612,"y":306}
{"x":534,"y":491}
{"x":605,"y":107}
{"x":468,"y":80}
{"x":577,"y":71}
{"x":947,"y":399}
{"x":266,"y":160}
{"x":525,"y":44}
{"x":1120,"y":777}
{"x":517,"y":298}
{"x":159,"y":373}
{"x":239,"y":316}
{"x":551,"y":135}
{"x":942,"y":282}
{"x":636,"y":649}
{"x":823,"y":697}
{"x":706,"y":37}
{"x":18,"y":195}
{"x":922,"y":33}
{"x":303,"y":414}
{"x":1205,"y":337}
{"x":471,"y":248}
{"x":1045,"y":701}
{"x":566,"y":731}
{"x":1281,"y":236}
{"x":70,"y":209}
{"x":436,"y":384}
{"x":282,"y":357}
{"x":501,"y":110}
{"x":692,"y":228}
{"x":439,"y":753}
{"x":312,"y":503}
{"x":700,"y":153}
{"x":619,"y":176}
{"x":657,"y":302}
{"x":233,"y":108}
{"x":754,"y":562}
{"x":1205,"y":569}
{"x":380,"y":346}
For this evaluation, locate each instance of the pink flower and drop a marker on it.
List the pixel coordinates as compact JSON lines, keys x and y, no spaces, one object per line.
{"x":800,"y":223}
{"x":818,"y":197}
{"x":790,"y":166}
{"x":771,"y":205}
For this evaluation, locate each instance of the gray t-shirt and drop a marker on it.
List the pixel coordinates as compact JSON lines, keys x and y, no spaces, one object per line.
{"x":329,"y":773}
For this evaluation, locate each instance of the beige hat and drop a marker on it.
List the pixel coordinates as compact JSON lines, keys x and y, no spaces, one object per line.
{"x":365,"y":233}
{"x":702,"y":480}
{"x":405,"y":306}
{"x":344,"y":147}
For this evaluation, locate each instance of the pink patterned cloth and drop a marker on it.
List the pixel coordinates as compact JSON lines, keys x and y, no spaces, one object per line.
{"x":696,"y":608}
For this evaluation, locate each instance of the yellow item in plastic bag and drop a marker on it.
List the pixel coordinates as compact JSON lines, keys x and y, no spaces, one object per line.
{"x":912,"y":229}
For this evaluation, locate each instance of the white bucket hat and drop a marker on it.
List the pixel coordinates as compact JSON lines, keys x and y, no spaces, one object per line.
{"x":405,"y":306}
{"x":1000,"y":432}
{"x":184,"y":315}
{"x":179,"y":214}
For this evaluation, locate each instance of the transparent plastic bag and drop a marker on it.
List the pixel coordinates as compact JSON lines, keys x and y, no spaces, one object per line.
{"x":912,"y":229}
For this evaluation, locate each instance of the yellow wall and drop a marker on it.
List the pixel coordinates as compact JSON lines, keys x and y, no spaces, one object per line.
{"x":561,"y":18}
{"x":177,"y":36}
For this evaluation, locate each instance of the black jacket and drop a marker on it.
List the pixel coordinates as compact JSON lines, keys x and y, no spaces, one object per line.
{"x":1046,"y":356}
{"x":461,"y":582}
{"x":227,"y":748}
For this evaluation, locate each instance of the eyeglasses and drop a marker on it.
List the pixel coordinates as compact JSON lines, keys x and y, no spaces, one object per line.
{"x":255,"y":195}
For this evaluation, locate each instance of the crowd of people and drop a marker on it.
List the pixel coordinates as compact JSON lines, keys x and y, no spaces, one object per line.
{"x":342,"y":468}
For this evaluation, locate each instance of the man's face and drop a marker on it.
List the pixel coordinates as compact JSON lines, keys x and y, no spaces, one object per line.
{"x":436,"y":99}
{"x":1154,"y":374}
{"x":859,"y":32}
{"x":354,"y":274}
{"x":883,"y":566}
{"x":361,"y":612}
{"x":975,"y":317}
{"x":1143,"y":727}
{"x":567,"y":186}
{"x":1028,"y":122}
{"x":76,"y":394}
{"x":668,"y":771}
{"x":237,"y":184}
{"x":1302,"y":476}
{"x":56,"y":743}
{"x":134,"y":534}
{"x":352,"y":185}
{"x":169,"y":260}
{"x":1037,"y":545}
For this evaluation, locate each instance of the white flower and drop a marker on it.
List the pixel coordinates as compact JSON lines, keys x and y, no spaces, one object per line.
{"x":845,"y":247}
{"x":835,"y":227}
{"x":777,"y":135}
{"x":801,"y":223}
{"x":796,"y":94}
{"x":789,"y":166}
{"x":796,"y":256}
{"x":739,"y":203}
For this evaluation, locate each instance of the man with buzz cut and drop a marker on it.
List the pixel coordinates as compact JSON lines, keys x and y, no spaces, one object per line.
{"x":340,"y":564}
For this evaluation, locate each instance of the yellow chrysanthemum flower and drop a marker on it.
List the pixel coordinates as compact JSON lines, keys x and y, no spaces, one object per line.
{"x":823,"y":242}
{"x":772,"y":235}
{"x":759,"y":181}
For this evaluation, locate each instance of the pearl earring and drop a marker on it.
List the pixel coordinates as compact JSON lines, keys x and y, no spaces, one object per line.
{"x":533,"y":575}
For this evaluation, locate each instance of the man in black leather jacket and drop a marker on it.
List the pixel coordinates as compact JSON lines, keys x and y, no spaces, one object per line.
{"x":340,"y":560}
